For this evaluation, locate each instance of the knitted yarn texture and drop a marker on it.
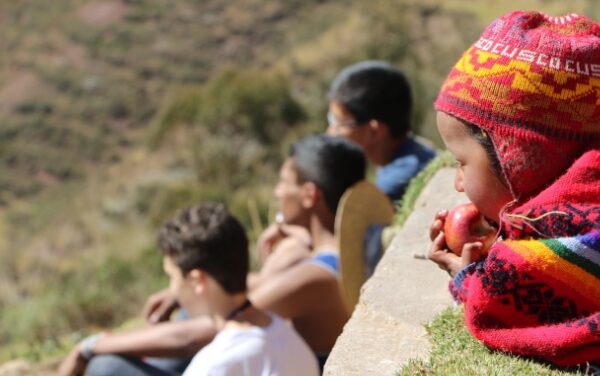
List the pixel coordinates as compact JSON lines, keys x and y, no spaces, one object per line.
{"x":533,"y":82}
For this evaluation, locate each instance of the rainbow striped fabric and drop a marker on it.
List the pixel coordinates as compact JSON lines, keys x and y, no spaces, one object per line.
{"x":537,"y":298}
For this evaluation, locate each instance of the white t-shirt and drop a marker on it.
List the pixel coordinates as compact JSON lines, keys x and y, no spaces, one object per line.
{"x":276,"y":350}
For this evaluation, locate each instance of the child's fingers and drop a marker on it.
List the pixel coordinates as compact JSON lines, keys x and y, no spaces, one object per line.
{"x":267,"y":240}
{"x":284,"y":230}
{"x":438,"y":224}
{"x":471,"y":252}
{"x":439,"y":254}
{"x":441,"y":215}
{"x":435,"y":229}
{"x":438,"y":245}
{"x":297,"y":232}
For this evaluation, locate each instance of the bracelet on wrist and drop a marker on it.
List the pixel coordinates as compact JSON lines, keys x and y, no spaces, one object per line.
{"x":87,"y":346}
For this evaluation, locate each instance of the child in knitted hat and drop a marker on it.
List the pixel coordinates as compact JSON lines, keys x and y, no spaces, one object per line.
{"x":520,"y":112}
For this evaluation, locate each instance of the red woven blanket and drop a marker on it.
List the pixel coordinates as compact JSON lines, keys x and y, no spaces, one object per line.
{"x":538,"y":292}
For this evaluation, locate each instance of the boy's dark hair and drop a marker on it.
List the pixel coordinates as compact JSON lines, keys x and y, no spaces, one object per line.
{"x":375,"y":90}
{"x":209,"y":238}
{"x":334,"y":164}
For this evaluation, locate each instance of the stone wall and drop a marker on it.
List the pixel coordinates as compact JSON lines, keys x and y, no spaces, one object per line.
{"x":386,"y":328}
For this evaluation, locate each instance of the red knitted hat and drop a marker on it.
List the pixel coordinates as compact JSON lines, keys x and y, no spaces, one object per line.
{"x":533,"y":83}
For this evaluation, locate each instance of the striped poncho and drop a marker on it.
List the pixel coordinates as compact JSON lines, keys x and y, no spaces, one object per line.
{"x":541,"y":297}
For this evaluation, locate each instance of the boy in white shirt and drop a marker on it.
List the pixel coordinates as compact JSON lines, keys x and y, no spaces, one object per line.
{"x":205,"y":255}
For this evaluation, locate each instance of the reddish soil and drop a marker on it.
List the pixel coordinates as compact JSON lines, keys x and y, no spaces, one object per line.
{"x":101,"y":13}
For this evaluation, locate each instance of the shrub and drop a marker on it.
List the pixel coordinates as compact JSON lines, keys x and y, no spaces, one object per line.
{"x":251,"y":103}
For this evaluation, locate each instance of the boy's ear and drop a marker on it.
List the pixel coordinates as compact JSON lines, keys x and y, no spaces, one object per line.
{"x":198,"y":280}
{"x":378,"y":127}
{"x":310,"y":194}
{"x":378,"y":132}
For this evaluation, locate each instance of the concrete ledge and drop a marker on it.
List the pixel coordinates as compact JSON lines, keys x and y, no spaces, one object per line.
{"x":386,"y":328}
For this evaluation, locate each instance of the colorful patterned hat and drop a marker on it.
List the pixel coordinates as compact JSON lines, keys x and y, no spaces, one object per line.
{"x":533,"y":83}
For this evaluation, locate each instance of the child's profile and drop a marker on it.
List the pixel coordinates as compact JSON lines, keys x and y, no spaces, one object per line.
{"x":520,"y":112}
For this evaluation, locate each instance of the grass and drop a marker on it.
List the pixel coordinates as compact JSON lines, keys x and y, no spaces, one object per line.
{"x":406,"y":206}
{"x":455,"y":352}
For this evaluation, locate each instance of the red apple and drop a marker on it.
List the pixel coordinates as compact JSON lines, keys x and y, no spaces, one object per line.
{"x":465,"y":224}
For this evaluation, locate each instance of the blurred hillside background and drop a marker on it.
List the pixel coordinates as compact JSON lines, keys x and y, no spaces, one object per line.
{"x":116,"y":113}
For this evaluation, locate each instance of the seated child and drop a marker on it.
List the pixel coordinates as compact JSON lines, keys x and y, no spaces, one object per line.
{"x":520,"y":112}
{"x":370,"y":103}
{"x":318,"y":170}
{"x":205,"y":255}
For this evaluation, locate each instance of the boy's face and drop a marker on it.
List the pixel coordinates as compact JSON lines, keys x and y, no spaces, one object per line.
{"x":474,"y":173}
{"x":181,"y":286}
{"x":290,"y":195}
{"x":341,"y":123}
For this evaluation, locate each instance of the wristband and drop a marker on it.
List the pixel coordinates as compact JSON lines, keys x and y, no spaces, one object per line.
{"x":86,"y":347}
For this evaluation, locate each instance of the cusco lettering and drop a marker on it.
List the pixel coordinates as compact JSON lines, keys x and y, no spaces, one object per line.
{"x":538,"y":58}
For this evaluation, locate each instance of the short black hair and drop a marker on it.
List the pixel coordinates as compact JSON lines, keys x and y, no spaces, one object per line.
{"x":375,"y":90}
{"x":334,"y":164}
{"x":209,"y":238}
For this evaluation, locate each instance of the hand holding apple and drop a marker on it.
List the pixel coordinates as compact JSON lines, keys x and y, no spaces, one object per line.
{"x":465,"y":224}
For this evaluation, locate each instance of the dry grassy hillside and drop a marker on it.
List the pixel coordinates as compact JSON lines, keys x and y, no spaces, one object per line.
{"x":115,"y":113}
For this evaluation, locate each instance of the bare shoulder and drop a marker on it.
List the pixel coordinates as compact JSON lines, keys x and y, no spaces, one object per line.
{"x":310,"y":272}
{"x":289,"y":252}
{"x":292,"y":292}
{"x":301,"y":276}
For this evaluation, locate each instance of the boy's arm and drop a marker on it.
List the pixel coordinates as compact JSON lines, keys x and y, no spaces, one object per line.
{"x":289,"y":252}
{"x":170,"y":339}
{"x":272,"y":236}
{"x":295,"y":292}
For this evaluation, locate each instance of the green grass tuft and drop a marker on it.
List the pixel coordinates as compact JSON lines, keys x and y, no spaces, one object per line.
{"x":406,"y":206}
{"x":455,"y":352}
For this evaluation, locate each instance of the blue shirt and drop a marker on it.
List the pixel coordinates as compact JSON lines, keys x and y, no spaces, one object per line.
{"x":409,"y":160}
